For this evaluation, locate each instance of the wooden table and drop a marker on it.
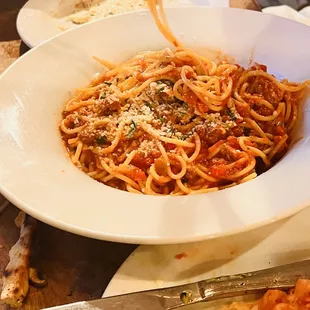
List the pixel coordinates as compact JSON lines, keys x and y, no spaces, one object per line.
{"x":77,"y":268}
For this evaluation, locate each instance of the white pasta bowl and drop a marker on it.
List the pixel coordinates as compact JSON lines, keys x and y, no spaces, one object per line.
{"x":38,"y":177}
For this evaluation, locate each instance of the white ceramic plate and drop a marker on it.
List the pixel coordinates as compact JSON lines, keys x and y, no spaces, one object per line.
{"x":37,"y":176}
{"x":40,"y":20}
{"x":151,"y":267}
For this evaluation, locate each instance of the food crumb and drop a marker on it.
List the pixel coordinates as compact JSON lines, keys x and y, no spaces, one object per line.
{"x":19,"y":220}
{"x":181,"y":255}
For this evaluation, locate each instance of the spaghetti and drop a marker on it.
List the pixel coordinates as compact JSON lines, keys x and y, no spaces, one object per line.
{"x":173,"y":122}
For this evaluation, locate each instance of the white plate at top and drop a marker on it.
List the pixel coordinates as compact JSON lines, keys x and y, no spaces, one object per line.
{"x":40,"y":20}
{"x":151,"y":267}
{"x":37,"y":176}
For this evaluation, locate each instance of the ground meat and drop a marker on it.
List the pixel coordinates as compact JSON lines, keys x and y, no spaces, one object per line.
{"x":237,"y":131}
{"x":89,"y":157}
{"x":292,"y":97}
{"x":143,"y":162}
{"x":88,"y":135}
{"x":236,"y":75}
{"x":229,"y":153}
{"x":108,"y":105}
{"x":257,"y":66}
{"x":160,"y":166}
{"x":190,"y":177}
{"x":270,"y":91}
{"x":255,"y":101}
{"x":242,"y":108}
{"x":209,"y":135}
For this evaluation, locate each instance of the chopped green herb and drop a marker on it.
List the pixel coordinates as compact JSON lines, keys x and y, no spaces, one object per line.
{"x":183,"y":103}
{"x":184,"y":180}
{"x":103,"y":96}
{"x":226,"y":126}
{"x":171,"y":131}
{"x":255,"y":106}
{"x":163,"y":119}
{"x":231,"y":115}
{"x":162,"y":85}
{"x":161,"y":89}
{"x":181,"y":113}
{"x":101,"y":140}
{"x":149,"y":104}
{"x":71,"y":125}
{"x":133,"y":127}
{"x":184,"y":137}
{"x":246,"y":131}
{"x":167,"y":82}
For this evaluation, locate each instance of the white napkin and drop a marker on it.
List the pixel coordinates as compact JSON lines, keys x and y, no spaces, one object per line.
{"x":303,"y":16}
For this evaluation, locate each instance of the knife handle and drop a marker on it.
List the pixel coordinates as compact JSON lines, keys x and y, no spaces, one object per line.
{"x":282,"y":277}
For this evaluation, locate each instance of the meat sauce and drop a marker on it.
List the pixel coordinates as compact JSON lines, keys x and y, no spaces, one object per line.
{"x":173,"y":118}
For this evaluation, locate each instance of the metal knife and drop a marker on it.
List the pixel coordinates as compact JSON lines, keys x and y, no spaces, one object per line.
{"x":282,"y":277}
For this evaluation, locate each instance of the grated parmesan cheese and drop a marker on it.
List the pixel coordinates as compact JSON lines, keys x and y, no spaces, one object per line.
{"x":147,"y":146}
{"x":84,"y":11}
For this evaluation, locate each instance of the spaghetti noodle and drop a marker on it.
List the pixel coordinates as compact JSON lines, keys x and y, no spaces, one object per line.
{"x":173,"y":122}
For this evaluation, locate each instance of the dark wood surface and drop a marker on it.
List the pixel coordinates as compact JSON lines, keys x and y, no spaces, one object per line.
{"x":76,"y":268}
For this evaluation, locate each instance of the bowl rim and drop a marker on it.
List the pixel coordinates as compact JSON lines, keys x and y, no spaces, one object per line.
{"x":135,"y":239}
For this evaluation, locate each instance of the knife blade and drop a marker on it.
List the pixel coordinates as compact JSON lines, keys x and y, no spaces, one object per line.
{"x":167,"y":298}
{"x":282,"y":277}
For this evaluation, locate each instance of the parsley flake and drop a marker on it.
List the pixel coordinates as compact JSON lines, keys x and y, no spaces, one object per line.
{"x":101,"y":140}
{"x":231,"y":115}
{"x":103,"y":96}
{"x":133,"y":127}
